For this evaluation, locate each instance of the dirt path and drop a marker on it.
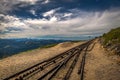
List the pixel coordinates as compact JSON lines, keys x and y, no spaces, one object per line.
{"x":99,"y":66}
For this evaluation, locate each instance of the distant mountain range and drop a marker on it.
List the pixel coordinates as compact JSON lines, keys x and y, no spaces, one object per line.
{"x":13,"y":46}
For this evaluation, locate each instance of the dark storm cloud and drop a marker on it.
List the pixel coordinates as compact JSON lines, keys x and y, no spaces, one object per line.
{"x":66,"y":5}
{"x":11,"y":30}
{"x":22,"y":8}
{"x":14,"y":29}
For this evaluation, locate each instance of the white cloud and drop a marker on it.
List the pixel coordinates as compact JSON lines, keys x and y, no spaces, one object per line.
{"x":53,"y":19}
{"x":46,"y":1}
{"x":67,"y":14}
{"x":11,"y":21}
{"x":29,"y":1}
{"x":9,"y":5}
{"x":90,"y":23}
{"x":50,"y":13}
{"x":33,"y":12}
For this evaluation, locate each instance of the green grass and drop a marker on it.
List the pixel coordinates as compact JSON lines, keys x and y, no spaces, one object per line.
{"x":48,"y":46}
{"x":112,"y":36}
{"x":74,"y":41}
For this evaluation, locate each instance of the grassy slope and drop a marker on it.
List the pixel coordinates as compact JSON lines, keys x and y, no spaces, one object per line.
{"x":111,"y":40}
{"x":48,"y":46}
{"x":113,"y":36}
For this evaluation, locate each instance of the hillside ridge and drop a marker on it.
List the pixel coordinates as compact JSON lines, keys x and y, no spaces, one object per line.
{"x":111,"y":40}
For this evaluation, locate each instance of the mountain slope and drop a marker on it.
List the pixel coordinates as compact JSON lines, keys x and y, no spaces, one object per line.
{"x":13,"y":46}
{"x":113,"y":36}
{"x":111,"y":40}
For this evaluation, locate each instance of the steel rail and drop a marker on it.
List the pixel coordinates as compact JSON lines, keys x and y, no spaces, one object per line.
{"x":18,"y":74}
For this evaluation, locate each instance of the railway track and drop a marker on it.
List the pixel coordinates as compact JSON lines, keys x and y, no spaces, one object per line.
{"x":56,"y":63}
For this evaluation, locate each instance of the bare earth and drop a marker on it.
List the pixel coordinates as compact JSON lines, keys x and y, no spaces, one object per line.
{"x":100,"y":66}
{"x":18,"y":62}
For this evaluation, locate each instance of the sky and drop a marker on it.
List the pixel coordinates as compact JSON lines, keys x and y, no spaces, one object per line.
{"x":58,"y":18}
